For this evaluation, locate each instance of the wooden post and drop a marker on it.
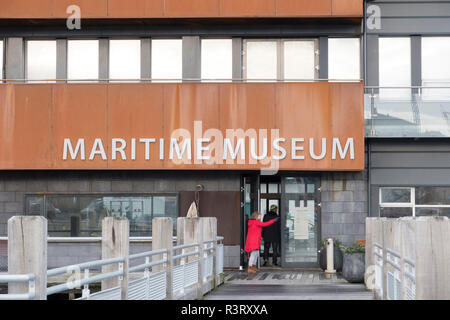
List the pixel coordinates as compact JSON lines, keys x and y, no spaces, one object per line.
{"x":210,"y":233}
{"x":115,"y":244}
{"x":162,"y":238}
{"x":27,"y":253}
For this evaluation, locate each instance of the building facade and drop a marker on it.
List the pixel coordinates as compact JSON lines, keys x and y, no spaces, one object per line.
{"x":334,"y":110}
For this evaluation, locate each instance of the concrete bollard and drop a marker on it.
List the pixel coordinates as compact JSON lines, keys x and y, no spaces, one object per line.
{"x":115,"y":244}
{"x":162,"y":238}
{"x":27,"y":253}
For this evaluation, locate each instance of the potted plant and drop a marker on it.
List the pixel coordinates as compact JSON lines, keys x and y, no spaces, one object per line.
{"x":354,"y":262}
{"x":337,"y":255}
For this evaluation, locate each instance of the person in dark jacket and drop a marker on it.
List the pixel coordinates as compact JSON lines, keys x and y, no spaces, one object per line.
{"x":271,"y":236}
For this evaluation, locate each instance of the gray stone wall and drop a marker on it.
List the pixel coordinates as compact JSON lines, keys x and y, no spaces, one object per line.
{"x":344,"y":205}
{"x":15,"y":185}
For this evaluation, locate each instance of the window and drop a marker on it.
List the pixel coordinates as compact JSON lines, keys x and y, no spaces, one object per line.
{"x":82,"y":59}
{"x":217,"y":59}
{"x":414,"y":201}
{"x":272,"y":60}
{"x":395,"y":67}
{"x":261,"y":60}
{"x":81,"y":215}
{"x":167,"y":59}
{"x":125,"y":59}
{"x":436,"y":67}
{"x":41,"y":60}
{"x":344,"y":59}
{"x":1,"y":59}
{"x":299,"y":60}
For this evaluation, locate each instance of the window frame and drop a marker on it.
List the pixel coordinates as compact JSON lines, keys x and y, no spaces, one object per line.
{"x":360,"y":64}
{"x":201,"y":59}
{"x":411,"y":204}
{"x":83,"y":80}
{"x":44,"y":195}
{"x":280,"y":59}
{"x":26,"y":52}
{"x":117,"y":80}
{"x":165,"y":80}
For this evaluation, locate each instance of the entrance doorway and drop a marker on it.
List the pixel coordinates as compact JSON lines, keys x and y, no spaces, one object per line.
{"x":297,"y":198}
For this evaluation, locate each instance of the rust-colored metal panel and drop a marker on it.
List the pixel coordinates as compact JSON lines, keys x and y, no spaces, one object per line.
{"x":224,"y":205}
{"x":347,"y":8}
{"x":302,"y":110}
{"x":135,"y":8}
{"x":250,"y":107}
{"x":348,"y":119}
{"x":80,"y":112}
{"x":191,"y":8}
{"x":25,"y":8}
{"x":193,"y":107}
{"x":247,"y":8}
{"x":326,"y":112}
{"x":136,"y":111}
{"x":89,"y":8}
{"x":307,"y":8}
{"x":25,"y":117}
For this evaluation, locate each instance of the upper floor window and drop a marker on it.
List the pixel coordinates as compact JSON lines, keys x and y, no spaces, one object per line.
{"x":436,"y":67}
{"x":83,"y":59}
{"x":1,"y":59}
{"x":272,"y":60}
{"x":41,"y":60}
{"x":344,"y":59}
{"x":167,"y":59}
{"x":299,"y":59}
{"x":395,"y":67}
{"x":217,"y":59}
{"x":125,"y":59}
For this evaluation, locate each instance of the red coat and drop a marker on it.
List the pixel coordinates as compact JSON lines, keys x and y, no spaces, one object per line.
{"x":253,"y":241}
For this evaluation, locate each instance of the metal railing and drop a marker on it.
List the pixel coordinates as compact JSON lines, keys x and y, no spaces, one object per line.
{"x":414,"y":111}
{"x":110,"y":294}
{"x":150,"y":284}
{"x":185,"y":271}
{"x":19,"y":278}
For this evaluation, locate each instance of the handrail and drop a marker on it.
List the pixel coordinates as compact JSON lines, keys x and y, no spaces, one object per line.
{"x":147,"y":254}
{"x":184,"y":246}
{"x":19,"y":278}
{"x":147,"y":265}
{"x":82,"y":282}
{"x":82,"y":266}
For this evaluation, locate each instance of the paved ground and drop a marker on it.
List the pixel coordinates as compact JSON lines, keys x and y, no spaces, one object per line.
{"x":272,"y":284}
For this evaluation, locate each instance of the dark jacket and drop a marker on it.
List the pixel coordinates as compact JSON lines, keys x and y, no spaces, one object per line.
{"x":271,"y":233}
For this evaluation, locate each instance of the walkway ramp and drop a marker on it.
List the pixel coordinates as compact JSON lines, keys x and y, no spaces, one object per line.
{"x":288,"y":285}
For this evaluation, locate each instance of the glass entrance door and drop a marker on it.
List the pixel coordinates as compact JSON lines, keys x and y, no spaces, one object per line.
{"x":300,"y":221}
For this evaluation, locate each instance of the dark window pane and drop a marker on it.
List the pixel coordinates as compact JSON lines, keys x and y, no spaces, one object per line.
{"x":392,"y":212}
{"x":395,"y":195}
{"x":34,"y":206}
{"x":427,"y":212}
{"x":82,"y":215}
{"x":433,"y":195}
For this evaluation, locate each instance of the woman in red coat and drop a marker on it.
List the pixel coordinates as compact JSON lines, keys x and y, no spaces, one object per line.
{"x":253,"y":242}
